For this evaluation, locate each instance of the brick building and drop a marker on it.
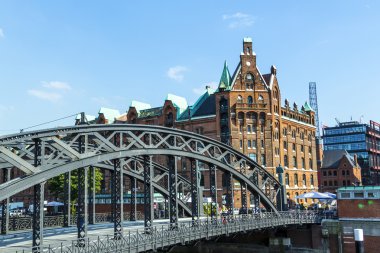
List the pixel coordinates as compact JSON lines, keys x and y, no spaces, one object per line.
{"x":338,"y":169}
{"x":246,"y":112}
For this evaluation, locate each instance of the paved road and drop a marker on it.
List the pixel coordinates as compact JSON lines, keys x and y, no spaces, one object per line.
{"x":19,"y":241}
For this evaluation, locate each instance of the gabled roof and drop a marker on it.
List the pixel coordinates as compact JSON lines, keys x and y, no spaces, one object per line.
{"x":109,"y":114}
{"x":332,"y":158}
{"x":179,"y":102}
{"x":225,"y":78}
{"x":139,"y":106}
{"x":204,"y":106}
{"x":267,"y":78}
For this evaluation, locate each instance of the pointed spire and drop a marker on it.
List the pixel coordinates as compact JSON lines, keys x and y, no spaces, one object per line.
{"x":225,"y":79}
{"x":307,"y":107}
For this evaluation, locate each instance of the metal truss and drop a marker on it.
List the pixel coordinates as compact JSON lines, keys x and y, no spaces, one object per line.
{"x":133,"y":185}
{"x":194,"y":191}
{"x":61,"y":154}
{"x":148,"y":193}
{"x":66,"y":199}
{"x":173,"y":205}
{"x":230,"y":192}
{"x":212,"y":170}
{"x":4,"y":204}
{"x":91,"y":194}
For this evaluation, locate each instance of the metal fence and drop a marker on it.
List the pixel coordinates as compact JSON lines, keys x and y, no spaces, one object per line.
{"x":160,"y":237}
{"x":25,"y":223}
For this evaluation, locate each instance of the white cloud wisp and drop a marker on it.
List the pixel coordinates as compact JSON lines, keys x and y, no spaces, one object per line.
{"x":177,"y":73}
{"x":239,"y":20}
{"x":57,"y":85}
{"x":49,"y":96}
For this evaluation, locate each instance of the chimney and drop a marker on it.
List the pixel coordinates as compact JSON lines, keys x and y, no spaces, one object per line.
{"x":356,"y":160}
{"x":273,"y":70}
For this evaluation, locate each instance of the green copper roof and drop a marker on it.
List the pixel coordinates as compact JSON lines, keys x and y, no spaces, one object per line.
{"x":225,"y":79}
{"x":307,"y":107}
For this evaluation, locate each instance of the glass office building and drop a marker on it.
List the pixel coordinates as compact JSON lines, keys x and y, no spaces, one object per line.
{"x":358,"y":139}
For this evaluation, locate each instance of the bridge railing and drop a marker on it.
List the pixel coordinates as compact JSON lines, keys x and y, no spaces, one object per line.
{"x":25,"y":223}
{"x":160,"y":237}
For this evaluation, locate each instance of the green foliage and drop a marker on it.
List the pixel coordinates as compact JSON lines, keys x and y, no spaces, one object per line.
{"x":56,"y":184}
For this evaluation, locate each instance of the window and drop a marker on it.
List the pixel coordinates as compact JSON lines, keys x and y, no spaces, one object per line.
{"x":286,"y":179}
{"x":253,"y":144}
{"x":348,"y":182}
{"x":263,"y":160}
{"x":345,"y":195}
{"x":248,"y":76}
{"x":253,"y":157}
{"x":309,"y":150}
{"x":330,"y":183}
{"x":335,"y":183}
{"x":335,"y":173}
{"x":240,"y":99}
{"x":294,"y":162}
{"x":347,"y":172}
{"x":310,"y":164}
{"x":262,"y":128}
{"x":311,"y":179}
{"x":261,"y":98}
{"x":250,"y":100}
{"x":371,"y":195}
{"x":249,"y":143}
{"x":262,"y":143}
{"x":330,"y":173}
{"x":169,"y":122}
{"x":324,"y":183}
{"x":202,"y":181}
{"x":301,"y":148}
{"x":249,"y":128}
{"x":240,"y":128}
{"x":303,"y":162}
{"x":294,"y":146}
{"x":343,"y":172}
{"x":293,"y":134}
{"x":304,"y":179}
{"x":295,"y":179}
{"x":284,"y":131}
{"x":241,"y":143}
{"x":344,"y":182}
{"x":324,"y":173}
{"x":358,"y":194}
{"x":285,"y":145}
{"x":286,"y":164}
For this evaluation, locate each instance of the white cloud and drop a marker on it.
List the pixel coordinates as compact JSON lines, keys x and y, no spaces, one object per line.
{"x":56,"y":85}
{"x":239,"y":19}
{"x":1,"y":33}
{"x":49,"y":96}
{"x":176,"y":73}
{"x":201,"y":90}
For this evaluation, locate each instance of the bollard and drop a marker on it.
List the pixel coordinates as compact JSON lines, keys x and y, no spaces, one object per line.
{"x":359,"y":240}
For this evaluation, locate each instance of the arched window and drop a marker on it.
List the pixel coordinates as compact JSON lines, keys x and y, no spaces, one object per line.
{"x":304,"y":179}
{"x":312,"y":179}
{"x":169,"y":122}
{"x":310,"y":164}
{"x":286,"y":162}
{"x":296,"y":179}
{"x":249,"y":81}
{"x":240,"y":99}
{"x":294,"y":162}
{"x":261,"y":98}
{"x":303,"y":162}
{"x":286,"y":179}
{"x":250,"y":100}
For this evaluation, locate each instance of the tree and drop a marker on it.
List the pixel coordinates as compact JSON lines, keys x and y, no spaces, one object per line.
{"x":56,"y":184}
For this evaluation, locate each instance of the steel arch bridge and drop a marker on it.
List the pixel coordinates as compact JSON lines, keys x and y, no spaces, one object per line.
{"x":150,"y":154}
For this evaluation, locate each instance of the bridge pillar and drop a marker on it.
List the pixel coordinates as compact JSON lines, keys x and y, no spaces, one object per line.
{"x":194,"y":191}
{"x":148,"y":193}
{"x":243,"y":187}
{"x":82,"y":205}
{"x":230,"y":193}
{"x":116,"y":199}
{"x":67,"y":199}
{"x":132,"y":214}
{"x":173,"y":204}
{"x":4,"y":204}
{"x":38,"y":217}
{"x":91,"y":195}
{"x":214,"y":207}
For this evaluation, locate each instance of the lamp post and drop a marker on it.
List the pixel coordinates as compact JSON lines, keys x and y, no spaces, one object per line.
{"x":281,"y":197}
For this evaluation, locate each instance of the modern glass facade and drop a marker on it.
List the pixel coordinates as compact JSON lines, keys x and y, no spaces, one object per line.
{"x":357,"y":139}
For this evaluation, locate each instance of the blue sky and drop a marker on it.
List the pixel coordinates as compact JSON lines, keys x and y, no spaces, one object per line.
{"x":58,"y":58}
